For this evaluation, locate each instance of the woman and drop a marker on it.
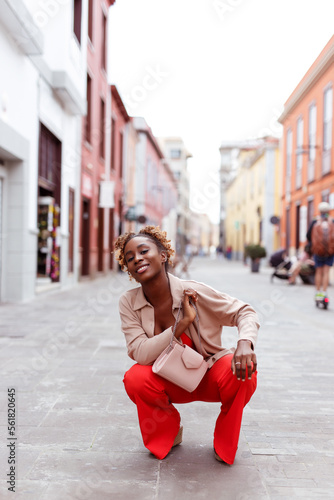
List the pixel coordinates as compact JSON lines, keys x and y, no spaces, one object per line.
{"x":148,"y":315}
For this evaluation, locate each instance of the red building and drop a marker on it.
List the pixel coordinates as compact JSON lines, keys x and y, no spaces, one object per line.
{"x":307,"y":147}
{"x":96,"y":189}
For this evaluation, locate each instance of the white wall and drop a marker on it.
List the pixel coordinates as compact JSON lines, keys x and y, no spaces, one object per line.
{"x":29,"y":95}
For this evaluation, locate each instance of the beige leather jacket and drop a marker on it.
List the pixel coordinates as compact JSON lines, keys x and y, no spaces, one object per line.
{"x":215,"y":310}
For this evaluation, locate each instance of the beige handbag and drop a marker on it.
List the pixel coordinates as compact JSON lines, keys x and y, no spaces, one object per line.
{"x":181,"y":364}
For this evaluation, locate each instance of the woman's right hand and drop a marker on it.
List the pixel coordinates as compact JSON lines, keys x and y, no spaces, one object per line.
{"x":189,"y":313}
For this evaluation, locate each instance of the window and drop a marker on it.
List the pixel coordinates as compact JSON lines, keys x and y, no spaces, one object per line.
{"x":312,"y":132}
{"x":113,"y":132}
{"x":88,"y":122}
{"x":328,"y":115}
{"x":90,"y":19}
{"x":49,"y":167}
{"x":327,"y":137}
{"x":300,"y":133}
{"x":121,"y":155}
{"x":77,"y":9}
{"x":288,"y":160}
{"x":325,"y":195}
{"x":310,"y":211}
{"x":102,"y":129}
{"x":104,"y":42}
{"x":175,"y":153}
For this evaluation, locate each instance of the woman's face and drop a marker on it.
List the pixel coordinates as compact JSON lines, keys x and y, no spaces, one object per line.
{"x":143,"y":259}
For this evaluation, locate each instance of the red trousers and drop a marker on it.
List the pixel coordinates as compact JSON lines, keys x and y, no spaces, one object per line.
{"x":159,"y":420}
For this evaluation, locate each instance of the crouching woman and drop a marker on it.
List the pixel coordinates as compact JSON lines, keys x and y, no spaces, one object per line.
{"x":148,"y":314}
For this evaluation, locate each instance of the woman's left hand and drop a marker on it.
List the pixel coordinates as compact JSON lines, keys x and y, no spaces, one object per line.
{"x":244,"y":361}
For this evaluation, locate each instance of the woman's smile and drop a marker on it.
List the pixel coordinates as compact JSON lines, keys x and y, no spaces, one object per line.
{"x":142,"y":269}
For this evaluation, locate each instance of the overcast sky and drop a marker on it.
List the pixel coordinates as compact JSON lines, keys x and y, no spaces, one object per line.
{"x":213,"y":70}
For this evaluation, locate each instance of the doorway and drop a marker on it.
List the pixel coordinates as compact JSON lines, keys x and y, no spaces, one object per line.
{"x":49,"y":205}
{"x":297,"y":227}
{"x":111,"y":238}
{"x":287,"y":244}
{"x":100,"y":240}
{"x":85,"y":237}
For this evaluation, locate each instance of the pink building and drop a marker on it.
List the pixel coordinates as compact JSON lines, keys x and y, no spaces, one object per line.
{"x":96,"y":189}
{"x":156,"y":189}
{"x":119,"y":128}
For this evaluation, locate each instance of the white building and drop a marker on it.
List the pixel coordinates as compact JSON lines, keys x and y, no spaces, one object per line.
{"x":42,"y":99}
{"x":177,"y":156}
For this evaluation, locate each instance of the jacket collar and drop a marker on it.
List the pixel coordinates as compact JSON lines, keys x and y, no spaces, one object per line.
{"x":176,"y":286}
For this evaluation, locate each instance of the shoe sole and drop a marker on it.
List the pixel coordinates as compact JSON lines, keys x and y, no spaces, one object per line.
{"x":217,"y":457}
{"x":178,"y":439}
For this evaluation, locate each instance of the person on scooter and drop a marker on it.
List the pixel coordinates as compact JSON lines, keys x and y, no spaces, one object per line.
{"x":323,"y":259}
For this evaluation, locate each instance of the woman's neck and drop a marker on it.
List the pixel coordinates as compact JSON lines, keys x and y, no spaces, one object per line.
{"x":158,"y":290}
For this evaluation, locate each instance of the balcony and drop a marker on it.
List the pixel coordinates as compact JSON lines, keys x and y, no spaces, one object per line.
{"x":19,"y":23}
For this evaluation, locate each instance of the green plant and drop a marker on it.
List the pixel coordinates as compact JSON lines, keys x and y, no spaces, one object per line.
{"x":255,"y":251}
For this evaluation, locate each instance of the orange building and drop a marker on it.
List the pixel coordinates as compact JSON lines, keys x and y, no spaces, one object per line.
{"x":307,"y":150}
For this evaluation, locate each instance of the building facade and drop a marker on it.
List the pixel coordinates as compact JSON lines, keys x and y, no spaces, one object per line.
{"x":204,"y":236}
{"x":156,"y":191}
{"x":307,"y":150}
{"x":120,"y":144}
{"x":97,"y":204}
{"x":253,"y":197}
{"x":42,"y":99}
{"x":177,"y":156}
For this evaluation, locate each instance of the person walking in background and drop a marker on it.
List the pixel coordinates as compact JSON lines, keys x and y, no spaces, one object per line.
{"x":321,"y":236}
{"x":229,"y":252}
{"x":148,"y":314}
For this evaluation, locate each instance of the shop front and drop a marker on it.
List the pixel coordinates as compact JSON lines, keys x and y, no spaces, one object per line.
{"x":48,"y":210}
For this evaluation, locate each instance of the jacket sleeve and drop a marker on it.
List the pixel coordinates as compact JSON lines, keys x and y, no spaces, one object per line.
{"x":141,"y":348}
{"x":230,"y":311}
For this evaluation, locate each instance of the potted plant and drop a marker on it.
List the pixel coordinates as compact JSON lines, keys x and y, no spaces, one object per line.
{"x":256,"y":253}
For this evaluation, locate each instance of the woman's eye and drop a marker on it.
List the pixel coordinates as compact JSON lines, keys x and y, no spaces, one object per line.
{"x":144,"y":251}
{"x":130,"y":259}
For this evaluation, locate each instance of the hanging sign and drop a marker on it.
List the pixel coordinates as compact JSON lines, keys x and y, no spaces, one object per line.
{"x":107,"y":195}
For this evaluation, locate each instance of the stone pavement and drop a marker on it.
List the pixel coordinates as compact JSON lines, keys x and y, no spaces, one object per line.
{"x":76,"y":431}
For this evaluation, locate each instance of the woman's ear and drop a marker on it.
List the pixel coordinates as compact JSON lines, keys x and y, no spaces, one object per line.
{"x":163,"y":257}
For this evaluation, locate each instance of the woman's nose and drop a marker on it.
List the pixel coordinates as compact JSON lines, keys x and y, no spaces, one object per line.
{"x":138,"y":257}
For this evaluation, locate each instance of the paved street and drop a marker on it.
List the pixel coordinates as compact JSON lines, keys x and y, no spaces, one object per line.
{"x":76,"y":431}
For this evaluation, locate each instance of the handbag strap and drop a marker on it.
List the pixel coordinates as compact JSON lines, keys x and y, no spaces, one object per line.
{"x":177,"y":320}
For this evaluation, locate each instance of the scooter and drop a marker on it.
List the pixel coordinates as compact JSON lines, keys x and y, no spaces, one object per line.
{"x":324,"y":302}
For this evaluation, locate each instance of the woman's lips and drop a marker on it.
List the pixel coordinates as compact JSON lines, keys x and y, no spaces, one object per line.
{"x":141,"y":269}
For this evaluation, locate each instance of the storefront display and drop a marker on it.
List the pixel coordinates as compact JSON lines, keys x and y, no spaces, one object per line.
{"x":48,"y":239}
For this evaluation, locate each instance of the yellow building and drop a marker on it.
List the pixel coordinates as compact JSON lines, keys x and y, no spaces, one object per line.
{"x":253,"y":198}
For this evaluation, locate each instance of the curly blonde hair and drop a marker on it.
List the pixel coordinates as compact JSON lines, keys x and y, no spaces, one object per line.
{"x":155,"y":234}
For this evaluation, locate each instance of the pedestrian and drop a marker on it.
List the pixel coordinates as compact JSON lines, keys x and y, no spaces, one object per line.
{"x":321,"y":236}
{"x":303,"y":265}
{"x":148,"y":315}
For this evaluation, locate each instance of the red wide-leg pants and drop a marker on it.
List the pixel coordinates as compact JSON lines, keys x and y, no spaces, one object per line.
{"x":159,"y":420}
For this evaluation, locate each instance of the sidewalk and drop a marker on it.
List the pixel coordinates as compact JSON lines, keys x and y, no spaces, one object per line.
{"x":77,"y":431}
